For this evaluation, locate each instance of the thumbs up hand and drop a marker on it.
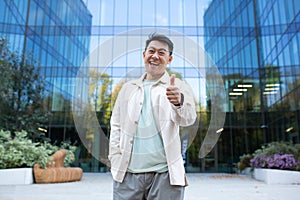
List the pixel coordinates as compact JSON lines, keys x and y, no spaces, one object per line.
{"x":173,"y":92}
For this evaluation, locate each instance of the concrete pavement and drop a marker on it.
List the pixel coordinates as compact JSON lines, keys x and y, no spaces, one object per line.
{"x":98,"y":186}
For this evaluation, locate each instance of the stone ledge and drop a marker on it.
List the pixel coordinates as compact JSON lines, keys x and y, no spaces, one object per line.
{"x":276,"y":176}
{"x":16,"y":176}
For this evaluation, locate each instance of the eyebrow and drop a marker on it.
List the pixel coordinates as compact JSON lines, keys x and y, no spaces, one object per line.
{"x":158,"y":49}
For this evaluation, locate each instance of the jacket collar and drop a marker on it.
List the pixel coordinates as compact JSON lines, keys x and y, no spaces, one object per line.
{"x":163,"y":80}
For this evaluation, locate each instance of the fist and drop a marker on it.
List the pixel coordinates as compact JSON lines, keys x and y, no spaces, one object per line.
{"x":173,"y":92}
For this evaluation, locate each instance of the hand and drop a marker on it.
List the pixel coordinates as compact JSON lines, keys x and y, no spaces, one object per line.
{"x":173,"y":92}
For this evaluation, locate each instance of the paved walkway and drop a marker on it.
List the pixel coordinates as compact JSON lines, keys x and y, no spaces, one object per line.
{"x":98,"y":186}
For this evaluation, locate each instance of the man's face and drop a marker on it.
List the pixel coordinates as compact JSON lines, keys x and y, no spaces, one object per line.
{"x":156,"y":58}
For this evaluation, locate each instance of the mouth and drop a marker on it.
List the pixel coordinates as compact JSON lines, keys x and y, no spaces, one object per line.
{"x":154,"y":64}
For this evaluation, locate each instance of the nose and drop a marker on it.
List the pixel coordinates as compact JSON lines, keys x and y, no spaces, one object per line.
{"x":155,"y":55}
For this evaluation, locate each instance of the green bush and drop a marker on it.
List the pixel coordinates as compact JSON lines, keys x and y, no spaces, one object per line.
{"x":18,"y":151}
{"x":278,"y":148}
{"x":244,"y":161}
{"x":269,"y":150}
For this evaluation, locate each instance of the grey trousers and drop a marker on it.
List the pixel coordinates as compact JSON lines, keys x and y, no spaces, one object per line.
{"x":147,"y":186}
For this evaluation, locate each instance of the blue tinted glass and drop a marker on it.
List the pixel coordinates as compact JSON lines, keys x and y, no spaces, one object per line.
{"x":296,"y":6}
{"x":176,"y":13}
{"x":107,"y":13}
{"x":121,"y":10}
{"x":2,"y":10}
{"x":162,"y":13}
{"x":190,"y":18}
{"x":32,"y":13}
{"x":135,"y":12}
{"x":148,"y":17}
{"x":280,"y":10}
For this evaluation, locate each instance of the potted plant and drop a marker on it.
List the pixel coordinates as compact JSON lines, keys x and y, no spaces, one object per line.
{"x":244,"y":164}
{"x":277,"y":162}
{"x":18,"y":154}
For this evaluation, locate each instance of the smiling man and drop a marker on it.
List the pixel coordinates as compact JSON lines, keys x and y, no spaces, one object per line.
{"x":145,"y":146}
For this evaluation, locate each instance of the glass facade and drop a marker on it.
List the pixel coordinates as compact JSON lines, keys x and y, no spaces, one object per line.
{"x":254,"y":44}
{"x":57,"y":34}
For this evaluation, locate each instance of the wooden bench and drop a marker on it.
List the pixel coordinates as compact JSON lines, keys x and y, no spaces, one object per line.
{"x":56,"y":172}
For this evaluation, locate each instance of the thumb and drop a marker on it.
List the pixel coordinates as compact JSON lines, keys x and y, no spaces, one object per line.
{"x":172,"y":80}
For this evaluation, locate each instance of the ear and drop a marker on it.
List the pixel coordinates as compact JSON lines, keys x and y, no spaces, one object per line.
{"x":170,"y":59}
{"x":144,"y":54}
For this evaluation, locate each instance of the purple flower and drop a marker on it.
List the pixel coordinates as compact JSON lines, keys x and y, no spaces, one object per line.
{"x":276,"y":161}
{"x":259,"y":161}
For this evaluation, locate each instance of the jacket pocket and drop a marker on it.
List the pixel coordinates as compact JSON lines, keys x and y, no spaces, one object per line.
{"x":115,"y":161}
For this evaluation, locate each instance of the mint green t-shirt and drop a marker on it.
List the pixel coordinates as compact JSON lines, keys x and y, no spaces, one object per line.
{"x":148,"y":154}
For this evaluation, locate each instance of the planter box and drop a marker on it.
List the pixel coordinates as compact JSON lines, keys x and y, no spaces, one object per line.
{"x":276,"y":176}
{"x":247,"y":171}
{"x":16,"y":176}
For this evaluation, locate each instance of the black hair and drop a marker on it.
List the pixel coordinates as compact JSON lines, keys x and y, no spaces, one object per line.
{"x":160,"y":38}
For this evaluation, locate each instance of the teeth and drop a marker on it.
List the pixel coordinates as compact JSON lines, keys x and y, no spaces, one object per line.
{"x":154,"y":63}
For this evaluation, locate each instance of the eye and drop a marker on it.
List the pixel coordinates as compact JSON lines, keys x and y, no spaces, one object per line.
{"x":162,"y":53}
{"x":150,"y":51}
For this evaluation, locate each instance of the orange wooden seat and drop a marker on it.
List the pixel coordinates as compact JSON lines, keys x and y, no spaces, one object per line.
{"x":56,"y":172}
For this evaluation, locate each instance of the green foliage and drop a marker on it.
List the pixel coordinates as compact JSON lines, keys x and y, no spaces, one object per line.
{"x":193,"y":152}
{"x":19,"y":151}
{"x":244,"y":161}
{"x":99,"y":92}
{"x":21,"y":93}
{"x":271,"y":149}
{"x":278,"y":148}
{"x":177,"y":74}
{"x":297,"y":146}
{"x":70,"y":158}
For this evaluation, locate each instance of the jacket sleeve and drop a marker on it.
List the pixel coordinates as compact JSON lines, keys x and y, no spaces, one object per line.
{"x":114,"y":139}
{"x":185,"y":115}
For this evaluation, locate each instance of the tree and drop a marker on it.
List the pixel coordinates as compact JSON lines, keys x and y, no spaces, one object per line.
{"x":100,"y":96}
{"x":21,"y":93}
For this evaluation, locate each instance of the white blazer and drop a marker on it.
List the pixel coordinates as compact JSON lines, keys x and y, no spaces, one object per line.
{"x":125,"y":117}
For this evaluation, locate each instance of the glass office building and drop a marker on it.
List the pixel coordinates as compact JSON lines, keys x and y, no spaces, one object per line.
{"x":253,"y":43}
{"x":57,"y":34}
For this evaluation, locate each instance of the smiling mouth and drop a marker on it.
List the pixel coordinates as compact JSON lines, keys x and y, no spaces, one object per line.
{"x":153,"y":63}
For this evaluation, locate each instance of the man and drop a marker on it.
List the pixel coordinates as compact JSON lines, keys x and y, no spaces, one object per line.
{"x":145,"y":146}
